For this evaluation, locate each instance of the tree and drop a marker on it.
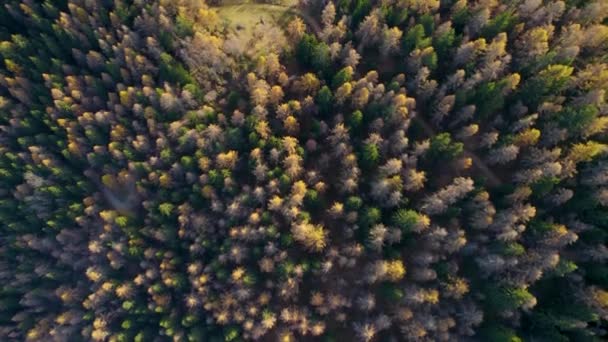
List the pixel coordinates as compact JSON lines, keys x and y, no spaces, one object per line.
{"x":361,"y":9}
{"x":369,"y":31}
{"x":343,"y":92}
{"x":395,"y":270}
{"x":305,"y":48}
{"x":321,"y":58}
{"x":370,"y":155}
{"x":313,"y":53}
{"x":184,"y":27}
{"x":351,"y":56}
{"x":296,"y":29}
{"x":360,"y":98}
{"x":390,"y":40}
{"x":438,"y":202}
{"x":308,"y":83}
{"x":313,"y":237}
{"x":444,"y":40}
{"x":504,"y":299}
{"x":355,"y":120}
{"x":500,"y":334}
{"x":415,"y":39}
{"x":328,"y":15}
{"x":443,"y":147}
{"x":343,"y":76}
{"x":276,"y":95}
{"x":166,"y":209}
{"x":409,"y":220}
{"x":324,"y":100}
{"x":551,"y":80}
{"x":586,"y":152}
{"x":577,"y":119}
{"x":503,"y":22}
{"x":291,"y":125}
{"x":394,"y":15}
{"x":227,"y":160}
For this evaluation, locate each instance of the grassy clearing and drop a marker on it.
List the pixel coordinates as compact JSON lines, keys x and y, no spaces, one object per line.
{"x":249,"y":20}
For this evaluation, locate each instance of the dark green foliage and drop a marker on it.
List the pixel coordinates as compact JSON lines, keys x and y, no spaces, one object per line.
{"x":503,"y":22}
{"x":231,"y":334}
{"x":577,"y":119}
{"x":312,"y":199}
{"x":443,"y":43}
{"x":313,"y":54}
{"x":172,"y":71}
{"x":500,"y":299}
{"x":405,"y":219}
{"x":543,"y":186}
{"x":394,"y":16}
{"x":415,"y":38}
{"x":430,"y":60}
{"x":343,"y":6}
{"x":370,"y":216}
{"x":195,"y":90}
{"x":340,"y":78}
{"x":512,"y":249}
{"x":216,"y":179}
{"x":391,"y":292}
{"x":442,"y":147}
{"x":428,"y":22}
{"x":320,"y":59}
{"x":460,"y":17}
{"x":233,"y":99}
{"x":355,"y":120}
{"x":370,"y":155}
{"x":558,"y":311}
{"x":324,"y":100}
{"x":361,"y":9}
{"x":500,"y":334}
{"x":354,"y":203}
{"x":552,"y":80}
{"x":564,"y":267}
{"x":488,"y":98}
{"x":183,"y":27}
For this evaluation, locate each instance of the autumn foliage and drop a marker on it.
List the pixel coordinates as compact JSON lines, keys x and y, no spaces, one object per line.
{"x":397,"y":171}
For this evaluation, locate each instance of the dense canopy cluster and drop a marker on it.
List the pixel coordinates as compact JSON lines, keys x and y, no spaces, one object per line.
{"x":416,"y":170}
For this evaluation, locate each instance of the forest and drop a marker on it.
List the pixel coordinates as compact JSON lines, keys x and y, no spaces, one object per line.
{"x":318,"y":170}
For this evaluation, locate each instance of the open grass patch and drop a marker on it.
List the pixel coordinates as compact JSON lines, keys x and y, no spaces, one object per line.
{"x":256,"y":26}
